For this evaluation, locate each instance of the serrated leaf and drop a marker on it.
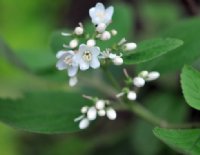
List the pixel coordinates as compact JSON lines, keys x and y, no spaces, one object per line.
{"x":43,"y":112}
{"x":150,"y":49}
{"x":190,"y":82}
{"x":185,"y":141}
{"x":186,"y":30}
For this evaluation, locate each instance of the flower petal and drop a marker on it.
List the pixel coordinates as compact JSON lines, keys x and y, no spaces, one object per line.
{"x":100,"y":7}
{"x":60,"y":54}
{"x":72,"y":70}
{"x":61,"y":65}
{"x":95,"y":63}
{"x":83,"y":65}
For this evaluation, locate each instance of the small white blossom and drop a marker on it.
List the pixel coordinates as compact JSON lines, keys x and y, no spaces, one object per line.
{"x":92,"y":113}
{"x":91,"y":42}
{"x":114,"y":32}
{"x":84,"y":109}
{"x":138,"y":82}
{"x":88,"y":57}
{"x":153,"y":76}
{"x":105,"y":35}
{"x":84,"y":123}
{"x":130,"y":46}
{"x":144,"y":74}
{"x":131,"y":95}
{"x":67,"y":61}
{"x":101,"y":27}
{"x":111,"y":114}
{"x":78,"y":30}
{"x":99,"y":14}
{"x":100,"y":104}
{"x":101,"y":113}
{"x":73,"y":81}
{"x":118,"y":60}
{"x":73,"y":43}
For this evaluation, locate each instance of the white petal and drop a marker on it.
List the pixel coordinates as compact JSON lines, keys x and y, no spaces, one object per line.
{"x":92,"y":113}
{"x":61,"y":65}
{"x":60,"y":54}
{"x":84,"y":123}
{"x":83,"y":65}
{"x":73,"y":81}
{"x":100,"y":7}
{"x":109,"y":14}
{"x":92,"y":12}
{"x":72,"y":70}
{"x":111,"y":114}
{"x":95,"y":63}
{"x":95,"y":51}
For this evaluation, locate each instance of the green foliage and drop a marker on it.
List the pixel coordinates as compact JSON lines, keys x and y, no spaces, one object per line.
{"x":150,"y":49}
{"x":185,"y":141}
{"x":168,"y":104}
{"x":190,"y":82}
{"x":186,"y":54}
{"x":43,"y":112}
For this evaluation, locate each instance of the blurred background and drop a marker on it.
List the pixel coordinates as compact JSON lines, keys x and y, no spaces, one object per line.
{"x":26,"y":27}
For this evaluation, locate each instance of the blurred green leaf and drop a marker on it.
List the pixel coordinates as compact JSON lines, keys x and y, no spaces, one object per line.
{"x":185,"y":141}
{"x":150,"y":49}
{"x":161,"y":104}
{"x":187,"y":31}
{"x":43,"y":112}
{"x":190,"y":82}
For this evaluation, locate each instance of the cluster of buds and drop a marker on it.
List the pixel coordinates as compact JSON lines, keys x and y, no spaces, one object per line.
{"x":79,"y":55}
{"x":137,"y":82}
{"x":100,"y":108}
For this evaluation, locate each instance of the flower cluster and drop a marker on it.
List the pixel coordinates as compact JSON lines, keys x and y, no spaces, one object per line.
{"x":78,"y":55}
{"x":100,"y":108}
{"x":137,"y":82}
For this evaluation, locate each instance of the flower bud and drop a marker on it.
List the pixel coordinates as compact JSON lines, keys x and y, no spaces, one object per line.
{"x":105,"y":35}
{"x":65,"y":34}
{"x":118,"y":60}
{"x":101,"y":27}
{"x":100,"y":104}
{"x":131,"y":95}
{"x":73,"y":81}
{"x":92,"y":113}
{"x":84,"y":123}
{"x":73,"y":43}
{"x":144,"y":74}
{"x":111,"y":114}
{"x":138,"y":82}
{"x":129,"y":46}
{"x":91,"y":42}
{"x":114,"y":32}
{"x":84,"y":109}
{"x":101,"y":113}
{"x":78,"y":30}
{"x":153,"y":76}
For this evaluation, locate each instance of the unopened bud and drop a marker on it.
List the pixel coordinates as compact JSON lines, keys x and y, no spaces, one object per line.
{"x":91,"y":42}
{"x":101,"y":27}
{"x":84,"y":109}
{"x":131,"y":95}
{"x":153,"y":76}
{"x":84,"y":123}
{"x":101,"y":113}
{"x":92,"y":113}
{"x":114,"y":32}
{"x":73,"y":81}
{"x":118,"y":60}
{"x":138,"y":82}
{"x":78,"y":30}
{"x":129,"y":46}
{"x":105,"y":35}
{"x":73,"y":43}
{"x":100,"y":104}
{"x":111,"y":114}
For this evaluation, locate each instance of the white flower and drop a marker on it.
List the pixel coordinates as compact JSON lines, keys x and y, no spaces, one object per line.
{"x":138,"y":82}
{"x":84,"y":123}
{"x":102,"y":113}
{"x":118,"y":60}
{"x":111,"y":114}
{"x":73,"y":43}
{"x":91,"y":42}
{"x":105,"y":35}
{"x":99,"y":14}
{"x":88,"y":57}
{"x":100,"y":104}
{"x":67,"y":61}
{"x":130,"y":46}
{"x":92,"y":113}
{"x":101,"y":27}
{"x":73,"y":81}
{"x":153,"y":76}
{"x":131,"y":95}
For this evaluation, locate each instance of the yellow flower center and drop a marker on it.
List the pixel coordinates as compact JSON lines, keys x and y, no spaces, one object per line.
{"x":87,"y":56}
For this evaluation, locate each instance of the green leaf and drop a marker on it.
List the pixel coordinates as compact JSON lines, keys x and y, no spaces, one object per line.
{"x":184,"y":141}
{"x":190,"y":82}
{"x":43,"y":112}
{"x":187,"y":31}
{"x":167,"y":103}
{"x":150,"y":49}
